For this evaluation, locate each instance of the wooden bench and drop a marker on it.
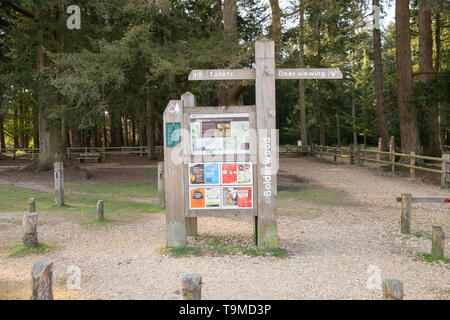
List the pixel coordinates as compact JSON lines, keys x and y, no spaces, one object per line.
{"x":90,"y":156}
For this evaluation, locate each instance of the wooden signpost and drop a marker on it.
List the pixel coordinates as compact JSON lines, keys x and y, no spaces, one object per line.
{"x":223,"y":161}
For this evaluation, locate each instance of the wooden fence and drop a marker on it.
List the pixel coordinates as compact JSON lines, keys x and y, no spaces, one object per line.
{"x":358,"y":156}
{"x":75,"y":152}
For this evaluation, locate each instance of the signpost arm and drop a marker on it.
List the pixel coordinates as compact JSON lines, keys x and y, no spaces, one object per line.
{"x":266,"y":228}
{"x":188,"y":100}
{"x":173,"y":174}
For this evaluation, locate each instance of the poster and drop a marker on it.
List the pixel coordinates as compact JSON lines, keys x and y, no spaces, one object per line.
{"x":212,"y":196}
{"x":237,"y":197}
{"x":216,"y":134}
{"x":244,"y":173}
{"x":173,"y":134}
{"x":205,"y":198}
{"x":197,"y":198}
{"x":212,"y":173}
{"x":196,"y":174}
{"x":229,"y":173}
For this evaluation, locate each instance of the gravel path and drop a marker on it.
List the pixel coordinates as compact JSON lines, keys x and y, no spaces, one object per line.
{"x":330,"y":246}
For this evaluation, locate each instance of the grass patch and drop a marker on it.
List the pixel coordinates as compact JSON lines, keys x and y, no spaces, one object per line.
{"x":422,"y":234}
{"x":217,"y":248}
{"x":429,"y":258}
{"x":309,"y":193}
{"x":151,"y":171}
{"x":20,"y":250}
{"x":15,"y":199}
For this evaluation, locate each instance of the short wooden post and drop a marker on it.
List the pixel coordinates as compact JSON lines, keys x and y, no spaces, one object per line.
{"x":378,"y":155}
{"x":161,"y":184}
{"x":438,"y":242}
{"x":412,"y":162}
{"x":31,"y":205}
{"x":351,"y":154}
{"x":59,"y":183}
{"x":335,"y":154}
{"x":100,"y":209}
{"x":42,"y":282}
{"x":192,"y":286}
{"x":29,"y":223}
{"x":392,"y":289}
{"x":406,"y":213}
{"x":392,"y":151}
{"x":445,"y":180}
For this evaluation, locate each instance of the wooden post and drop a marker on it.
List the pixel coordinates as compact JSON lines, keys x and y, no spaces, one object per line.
{"x":438,"y":242}
{"x":161,"y":184}
{"x":378,"y":155}
{"x":392,"y":150}
{"x":351,"y":153}
{"x":267,"y":145}
{"x":445,"y":180}
{"x":29,"y":223}
{"x":192,"y":286}
{"x":100,"y":209}
{"x":392,"y":289}
{"x":42,"y":282}
{"x":412,"y":162}
{"x":174,"y":184}
{"x":188,"y":100}
{"x":59,"y":183}
{"x":31,"y":205}
{"x":405,"y":220}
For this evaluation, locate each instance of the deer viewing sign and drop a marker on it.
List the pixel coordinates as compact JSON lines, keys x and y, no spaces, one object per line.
{"x":222,"y":161}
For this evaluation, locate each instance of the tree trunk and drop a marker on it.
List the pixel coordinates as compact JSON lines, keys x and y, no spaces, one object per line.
{"x":115,"y":129}
{"x":409,"y":132}
{"x":355,"y":136}
{"x":322,"y":129}
{"x":150,"y":128}
{"x":276,"y":23}
{"x":2,"y":135}
{"x":338,"y":128}
{"x":126,"y":135}
{"x":301,"y":83}
{"x":378,"y":80}
{"x":133,"y":132}
{"x":16,"y":128}
{"x":76,"y":138}
{"x":437,"y":68}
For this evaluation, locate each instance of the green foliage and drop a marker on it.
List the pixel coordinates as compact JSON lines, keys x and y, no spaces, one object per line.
{"x":429,"y":258}
{"x":20,"y":250}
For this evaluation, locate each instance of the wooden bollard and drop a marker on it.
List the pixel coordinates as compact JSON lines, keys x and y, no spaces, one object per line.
{"x":161,"y":196}
{"x":42,"y":282}
{"x":31,"y":205}
{"x":380,"y":148}
{"x":29,"y":223}
{"x":392,"y":150}
{"x":59,"y":183}
{"x":412,"y":162}
{"x":438,"y":242}
{"x":406,"y":213}
{"x":100,"y":210}
{"x":192,"y":286}
{"x":392,"y":289}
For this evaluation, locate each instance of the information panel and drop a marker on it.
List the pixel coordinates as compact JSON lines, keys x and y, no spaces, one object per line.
{"x":218,"y":134}
{"x":226,"y":185}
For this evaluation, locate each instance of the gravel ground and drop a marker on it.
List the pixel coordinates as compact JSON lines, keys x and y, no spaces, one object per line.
{"x":330,"y":246}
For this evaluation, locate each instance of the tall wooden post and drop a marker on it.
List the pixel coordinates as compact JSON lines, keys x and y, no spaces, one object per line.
{"x":406,"y":213}
{"x":42,"y":282}
{"x":100,"y":210}
{"x":438,"y":242}
{"x":29,"y":223}
{"x":188,"y":100}
{"x":161,"y":184}
{"x":59,"y":183}
{"x":412,"y":162}
{"x":174,"y":174}
{"x":267,"y":145}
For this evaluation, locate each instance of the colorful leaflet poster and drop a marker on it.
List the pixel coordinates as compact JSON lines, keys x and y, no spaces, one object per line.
{"x":229,"y":173}
{"x":244,"y":173}
{"x":212,"y":195}
{"x":197,"y":198}
{"x":237,"y":197}
{"x":197,"y":174}
{"x":244,"y":196}
{"x":212,"y":173}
